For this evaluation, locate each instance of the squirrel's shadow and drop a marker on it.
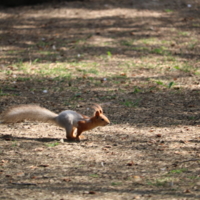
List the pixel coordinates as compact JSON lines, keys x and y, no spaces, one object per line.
{"x":14,"y":138}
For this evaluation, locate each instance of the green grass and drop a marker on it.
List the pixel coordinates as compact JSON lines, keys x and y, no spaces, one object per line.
{"x":187,"y":68}
{"x":178,"y":171}
{"x":136,"y":90}
{"x":116,"y":183}
{"x":109,"y":53}
{"x":184,"y":33}
{"x":131,"y":103}
{"x":94,"y":175}
{"x":52,"y":144}
{"x":3,"y":93}
{"x":22,"y":79}
{"x":171,"y":84}
{"x":168,"y":10}
{"x":127,"y":43}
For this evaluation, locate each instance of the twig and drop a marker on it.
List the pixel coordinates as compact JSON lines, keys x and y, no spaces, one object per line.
{"x":24,"y":183}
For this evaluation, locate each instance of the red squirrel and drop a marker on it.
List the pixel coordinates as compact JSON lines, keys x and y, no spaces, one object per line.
{"x":71,"y":120}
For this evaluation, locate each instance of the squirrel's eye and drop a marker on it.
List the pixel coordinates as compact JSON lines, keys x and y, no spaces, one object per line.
{"x":102,"y":119}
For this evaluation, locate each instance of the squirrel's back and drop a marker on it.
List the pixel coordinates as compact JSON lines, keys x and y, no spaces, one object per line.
{"x":69,"y":117}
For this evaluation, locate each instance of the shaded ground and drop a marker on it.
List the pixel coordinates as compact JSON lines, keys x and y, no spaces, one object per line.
{"x":140,"y":61}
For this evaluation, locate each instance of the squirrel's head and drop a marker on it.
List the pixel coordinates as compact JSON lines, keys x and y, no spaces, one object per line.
{"x":99,"y":117}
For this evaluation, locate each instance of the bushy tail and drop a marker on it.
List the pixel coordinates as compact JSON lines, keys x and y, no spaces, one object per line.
{"x":29,"y":112}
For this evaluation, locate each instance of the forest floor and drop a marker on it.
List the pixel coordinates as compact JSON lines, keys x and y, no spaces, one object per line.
{"x":138,"y":59}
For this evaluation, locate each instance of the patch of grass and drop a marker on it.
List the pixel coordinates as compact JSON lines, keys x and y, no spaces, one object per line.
{"x":2,"y":93}
{"x":161,"y":51}
{"x":36,"y":61}
{"x":116,"y":183}
{"x":23,"y":79}
{"x":171,"y":84}
{"x":109,"y":53}
{"x":192,"y":117}
{"x":130,"y":103}
{"x":93,"y":71}
{"x":14,"y":144}
{"x":158,"y":183}
{"x":55,"y":71}
{"x":193,"y":177}
{"x":162,"y":181}
{"x":184,"y":33}
{"x":88,"y":71}
{"x":137,"y":48}
{"x":168,"y":10}
{"x":148,"y":41}
{"x":94,"y":175}
{"x":187,"y":68}
{"x":127,"y":43}
{"x":8,"y":72}
{"x":159,"y":82}
{"x":53,"y":144}
{"x":192,"y":44}
{"x":136,"y":90}
{"x":178,"y":171}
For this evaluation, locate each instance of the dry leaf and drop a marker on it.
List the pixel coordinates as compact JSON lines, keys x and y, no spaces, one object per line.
{"x":20,"y":174}
{"x":123,"y":74}
{"x":91,"y":192}
{"x":43,"y":165}
{"x":39,"y":149}
{"x":32,"y":167}
{"x":187,"y":191}
{"x":158,"y":135}
{"x":130,"y":163}
{"x":66,"y":179}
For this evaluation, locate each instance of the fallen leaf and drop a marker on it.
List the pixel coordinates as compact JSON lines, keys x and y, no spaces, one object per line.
{"x":136,"y":197}
{"x":91,"y":192}
{"x":158,"y":135}
{"x":66,"y":179}
{"x":43,"y":165}
{"x":32,"y":167}
{"x":130,"y":163}
{"x":20,"y":174}
{"x":108,"y":146}
{"x":7,"y":137}
{"x":137,"y":178}
{"x":4,"y":161}
{"x":187,"y":191}
{"x":39,"y":149}
{"x":34,"y":177}
{"x":177,"y":152}
{"x":123,"y":74}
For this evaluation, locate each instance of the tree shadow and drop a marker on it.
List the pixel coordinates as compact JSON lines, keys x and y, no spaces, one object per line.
{"x":40,"y":38}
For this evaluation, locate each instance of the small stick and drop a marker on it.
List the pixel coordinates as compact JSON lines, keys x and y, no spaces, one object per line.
{"x":24,"y":183}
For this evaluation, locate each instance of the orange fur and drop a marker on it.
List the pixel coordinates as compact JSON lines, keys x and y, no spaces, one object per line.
{"x":98,"y":119}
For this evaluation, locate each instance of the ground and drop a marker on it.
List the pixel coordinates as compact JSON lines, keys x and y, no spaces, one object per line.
{"x":139,"y":60}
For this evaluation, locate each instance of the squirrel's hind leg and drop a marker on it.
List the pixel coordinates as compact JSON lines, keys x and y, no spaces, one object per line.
{"x":70,"y":133}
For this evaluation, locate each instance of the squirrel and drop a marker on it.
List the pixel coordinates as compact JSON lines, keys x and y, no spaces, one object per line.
{"x":71,"y":120}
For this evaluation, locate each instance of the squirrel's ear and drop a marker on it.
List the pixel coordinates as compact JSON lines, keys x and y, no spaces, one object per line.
{"x":97,"y":114}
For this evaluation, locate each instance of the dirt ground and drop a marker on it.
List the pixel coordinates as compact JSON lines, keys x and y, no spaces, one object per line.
{"x":140,"y":60}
